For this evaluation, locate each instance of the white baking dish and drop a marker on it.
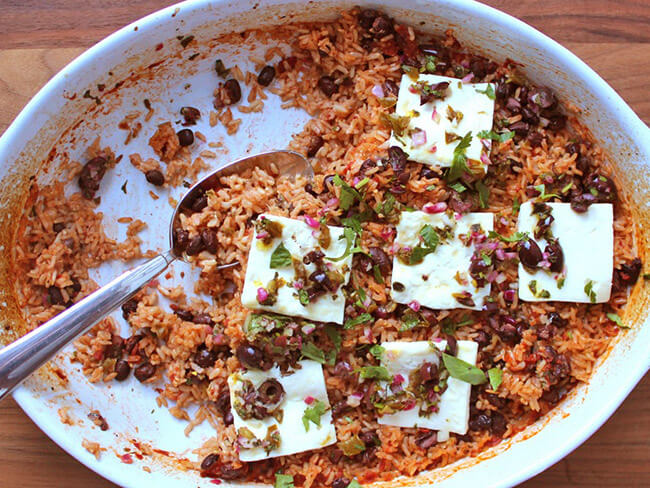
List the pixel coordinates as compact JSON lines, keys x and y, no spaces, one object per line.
{"x":129,"y":410}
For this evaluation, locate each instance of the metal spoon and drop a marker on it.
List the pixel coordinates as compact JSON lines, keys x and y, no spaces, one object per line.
{"x":24,"y":356}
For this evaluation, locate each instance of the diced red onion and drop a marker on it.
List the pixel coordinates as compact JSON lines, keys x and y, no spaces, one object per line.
{"x":413,"y":89}
{"x":410,"y":405}
{"x":332,"y":202}
{"x":311,"y":222}
{"x":377,"y":91}
{"x":367,"y":302}
{"x":415,"y":306}
{"x":220,"y":339}
{"x":435,"y":116}
{"x":509,"y":295}
{"x":393,"y":248}
{"x":464,"y":63}
{"x":398,"y":379}
{"x":419,"y":138}
{"x":501,"y":277}
{"x":500,"y":254}
{"x":298,"y":285}
{"x":511,"y":255}
{"x":467,"y":78}
{"x":458,"y":216}
{"x":386,"y":233}
{"x":487,"y":143}
{"x":433,"y":149}
{"x":355,"y":180}
{"x":368,"y":333}
{"x":434,"y":208}
{"x":262,"y":235}
{"x":492,"y":275}
{"x":546,"y":264}
{"x":503,"y":221}
{"x":485,"y":160}
{"x":354,"y":400}
{"x":262,"y":295}
{"x":309,"y":399}
{"x":437,"y":339}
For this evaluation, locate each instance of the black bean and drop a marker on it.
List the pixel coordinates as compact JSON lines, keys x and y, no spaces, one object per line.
{"x":185,"y":137}
{"x":114,"y":350}
{"x":520,"y":128}
{"x":391,"y":88}
{"x":535,"y":139}
{"x":340,"y":483}
{"x":203,"y":318}
{"x":427,"y":172}
{"x":315,"y":256}
{"x":310,"y":189}
{"x":144,"y":371}
{"x":398,"y":287}
{"x":482,"y":338}
{"x":381,"y":26}
{"x":195,"y":246}
{"x":513,"y":105}
{"x":155,"y":177}
{"x":205,"y":358}
{"x":223,"y":402}
{"x":200,"y":203}
{"x":555,"y":319}
{"x":428,"y":371}
{"x":397,"y":159}
{"x":367,"y":17}
{"x":228,"y":472}
{"x":529,"y":115}
{"x":58,"y":227}
{"x":131,"y":343}
{"x":603,"y":186}
{"x":250,"y":356}
{"x":428,"y":315}
{"x":314,"y":144}
{"x":184,"y":314}
{"x":380,"y":258}
{"x":499,"y":424}
{"x":181,"y":240}
{"x":54,"y":296}
{"x":581,"y":203}
{"x":480,"y":422}
{"x":90,"y":176}
{"x":122,"y":369}
{"x":266,"y":75}
{"x":369,"y":438}
{"x":328,"y":182}
{"x":529,"y":253}
{"x":232,"y":91}
{"x":452,"y":345}
{"x":327,"y":85}
{"x":190,"y":115}
{"x":209,"y":461}
{"x":629,"y":273}
{"x":572,"y":148}
{"x":583,"y":164}
{"x":504,"y":90}
{"x":209,"y":238}
{"x":542,"y":97}
{"x":228,"y":418}
{"x":557,"y":122}
{"x":555,"y":256}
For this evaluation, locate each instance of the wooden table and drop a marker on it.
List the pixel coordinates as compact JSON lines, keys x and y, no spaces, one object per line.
{"x":39,"y":37}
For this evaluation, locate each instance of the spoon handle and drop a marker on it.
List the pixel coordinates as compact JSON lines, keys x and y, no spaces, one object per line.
{"x":21,"y":358}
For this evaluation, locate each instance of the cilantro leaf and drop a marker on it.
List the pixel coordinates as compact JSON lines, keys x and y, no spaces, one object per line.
{"x":334,"y":335}
{"x":516,"y":205}
{"x":281,"y":257}
{"x":374,"y":373}
{"x":351,"y":323}
{"x":496,"y":377}
{"x":377,"y":351}
{"x":313,"y":414}
{"x":459,"y":187}
{"x":354,"y":484}
{"x":617,"y":320}
{"x":430,"y":236}
{"x":303,"y":297}
{"x":459,"y":161}
{"x":489,"y":92}
{"x":348,"y":194}
{"x":312,"y":351}
{"x":483,"y":193}
{"x":463,"y":371}
{"x":418,"y":253}
{"x":542,"y":193}
{"x":283,"y":481}
{"x":589,"y":291}
{"x":496,"y":136}
{"x":516,"y":237}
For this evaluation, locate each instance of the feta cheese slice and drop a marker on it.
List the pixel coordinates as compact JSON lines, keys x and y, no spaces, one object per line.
{"x":298,"y":238}
{"x":444,"y":272}
{"x":471,"y":104}
{"x":587,"y":241}
{"x":453,"y":414}
{"x":306,"y":383}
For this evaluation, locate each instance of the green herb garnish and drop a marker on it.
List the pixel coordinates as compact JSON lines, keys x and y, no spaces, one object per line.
{"x":351,"y":323}
{"x":459,"y":161}
{"x":483,"y":193}
{"x":516,"y":237}
{"x":496,"y":377}
{"x":374,"y":373}
{"x":312,"y":351}
{"x":281,"y":257}
{"x":283,"y":481}
{"x":377,"y":351}
{"x":463,"y":371}
{"x":589,"y":291}
{"x":496,"y":136}
{"x":489,"y":92}
{"x":313,"y":414}
{"x":617,"y":320}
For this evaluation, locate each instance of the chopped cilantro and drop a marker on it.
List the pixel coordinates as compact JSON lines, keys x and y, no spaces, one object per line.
{"x":589,"y":291}
{"x":516,"y":237}
{"x":516,"y":205}
{"x":313,"y":414}
{"x":459,"y":187}
{"x":283,"y":481}
{"x":463,"y":371}
{"x":617,"y":320}
{"x":281,"y":257}
{"x":377,"y":351}
{"x":351,"y":323}
{"x":543,"y":195}
{"x":348,"y":194}
{"x":489,"y":92}
{"x":334,"y":335}
{"x":312,"y":351}
{"x":303,"y":296}
{"x":496,"y":377}
{"x":374,"y":373}
{"x":377,"y":274}
{"x":496,"y":136}
{"x":459,"y":161}
{"x":430,"y":236}
{"x":483,"y":193}
{"x":429,"y":67}
{"x":354,"y":484}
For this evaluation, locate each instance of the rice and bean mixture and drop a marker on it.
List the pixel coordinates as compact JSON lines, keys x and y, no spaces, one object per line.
{"x":346,"y":74}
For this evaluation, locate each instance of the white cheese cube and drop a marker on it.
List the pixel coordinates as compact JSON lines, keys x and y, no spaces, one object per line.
{"x":587,"y":241}
{"x":436,"y":118}
{"x":302,"y":387}
{"x":444,"y":272}
{"x":298,"y":238}
{"x":453,"y":415}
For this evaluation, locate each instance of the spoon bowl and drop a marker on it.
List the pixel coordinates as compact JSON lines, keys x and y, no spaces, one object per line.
{"x":21,"y":358}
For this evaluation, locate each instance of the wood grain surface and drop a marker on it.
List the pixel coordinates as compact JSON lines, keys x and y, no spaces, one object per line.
{"x":40,"y":36}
